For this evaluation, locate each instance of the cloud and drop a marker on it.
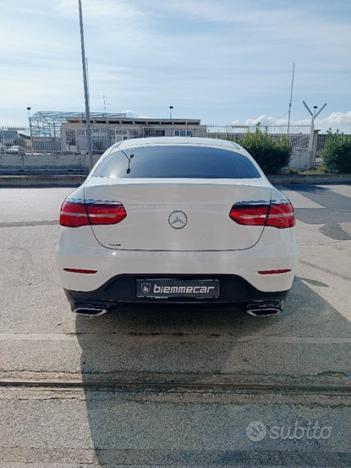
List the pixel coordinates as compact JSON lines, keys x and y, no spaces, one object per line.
{"x":211,"y":60}
{"x":338,"y":118}
{"x":335,"y":121}
{"x":265,"y":120}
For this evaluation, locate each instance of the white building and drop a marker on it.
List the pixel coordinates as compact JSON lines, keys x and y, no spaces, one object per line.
{"x":107,"y":130}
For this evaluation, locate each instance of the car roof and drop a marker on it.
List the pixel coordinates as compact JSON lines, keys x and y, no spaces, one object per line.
{"x":177,"y":141}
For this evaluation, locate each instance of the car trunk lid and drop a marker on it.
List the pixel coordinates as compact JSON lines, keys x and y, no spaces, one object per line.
{"x":177,"y":214}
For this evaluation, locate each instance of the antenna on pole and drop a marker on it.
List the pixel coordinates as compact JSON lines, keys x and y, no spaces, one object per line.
{"x":313,"y":115}
{"x":308,"y":109}
{"x":291,"y":95}
{"x":105,"y":104}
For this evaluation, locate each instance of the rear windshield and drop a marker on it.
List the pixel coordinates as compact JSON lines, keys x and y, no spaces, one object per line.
{"x":176,"y":162}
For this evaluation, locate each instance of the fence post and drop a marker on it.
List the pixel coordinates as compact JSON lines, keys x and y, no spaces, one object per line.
{"x":313,"y":146}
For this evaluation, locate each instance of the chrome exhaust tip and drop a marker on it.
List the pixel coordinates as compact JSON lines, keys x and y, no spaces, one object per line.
{"x":263,"y":309}
{"x":90,"y":311}
{"x":263,"y":312}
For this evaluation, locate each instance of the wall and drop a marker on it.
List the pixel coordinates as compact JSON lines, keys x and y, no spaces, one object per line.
{"x":44,"y":163}
{"x":77,"y":163}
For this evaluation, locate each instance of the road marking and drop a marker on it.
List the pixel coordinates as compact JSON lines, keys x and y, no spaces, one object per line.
{"x":28,"y":223}
{"x":344,"y":190}
{"x":132,"y":456}
{"x":299,"y":200}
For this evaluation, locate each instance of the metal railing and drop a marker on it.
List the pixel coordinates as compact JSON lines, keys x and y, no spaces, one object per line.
{"x":298,"y":135}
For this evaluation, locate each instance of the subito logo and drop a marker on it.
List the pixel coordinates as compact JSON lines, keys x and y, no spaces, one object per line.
{"x":256,"y":431}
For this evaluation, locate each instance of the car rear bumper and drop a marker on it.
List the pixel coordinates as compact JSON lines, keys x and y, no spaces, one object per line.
{"x":80,"y":250}
{"x":123,"y":289}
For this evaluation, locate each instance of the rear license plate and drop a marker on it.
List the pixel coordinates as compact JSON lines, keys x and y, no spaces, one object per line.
{"x":164,"y":288}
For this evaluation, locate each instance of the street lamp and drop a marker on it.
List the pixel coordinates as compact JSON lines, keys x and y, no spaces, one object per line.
{"x":30,"y":128}
{"x":171,"y":118}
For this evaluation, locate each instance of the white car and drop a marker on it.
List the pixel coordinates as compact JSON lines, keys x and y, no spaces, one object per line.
{"x":173,"y":219}
{"x":14,"y":149}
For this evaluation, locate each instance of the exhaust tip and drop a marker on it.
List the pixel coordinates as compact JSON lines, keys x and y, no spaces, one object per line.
{"x":263,"y":309}
{"x":263,"y":312}
{"x":90,"y":311}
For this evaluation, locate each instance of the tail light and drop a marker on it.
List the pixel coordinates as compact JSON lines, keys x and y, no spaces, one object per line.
{"x":76,"y":214}
{"x":279,"y":215}
{"x":251,"y":215}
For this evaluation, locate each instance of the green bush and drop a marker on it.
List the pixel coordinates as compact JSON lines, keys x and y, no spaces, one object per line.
{"x":336,"y":153}
{"x":271,"y":153}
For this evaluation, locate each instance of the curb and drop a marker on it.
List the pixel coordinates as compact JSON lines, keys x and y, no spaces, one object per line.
{"x":310,"y":179}
{"x":74,"y":180}
{"x":40,"y":180}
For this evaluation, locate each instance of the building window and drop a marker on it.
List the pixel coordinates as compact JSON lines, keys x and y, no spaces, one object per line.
{"x":188,"y":133}
{"x":70,"y":137}
{"x":121,"y":131}
{"x":100,"y":131}
{"x":133,"y":132}
{"x":153,"y":132}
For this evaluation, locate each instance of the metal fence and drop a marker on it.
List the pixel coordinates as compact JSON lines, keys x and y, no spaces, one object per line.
{"x":299,"y":135}
{"x":22,"y":140}
{"x":19,"y":140}
{"x":11,"y":138}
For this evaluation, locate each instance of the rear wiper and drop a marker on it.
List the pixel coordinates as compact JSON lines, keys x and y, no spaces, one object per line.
{"x":129,"y":160}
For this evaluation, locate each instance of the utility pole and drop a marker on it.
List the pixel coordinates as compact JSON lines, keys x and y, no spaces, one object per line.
{"x":86,"y":92}
{"x":291,"y":95}
{"x":313,"y":115}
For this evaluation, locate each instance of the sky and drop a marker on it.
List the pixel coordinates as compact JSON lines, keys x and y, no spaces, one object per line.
{"x":224,"y":61}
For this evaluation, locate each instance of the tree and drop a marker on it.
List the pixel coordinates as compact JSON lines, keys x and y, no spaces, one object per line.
{"x":272,"y":153}
{"x":336,"y":153}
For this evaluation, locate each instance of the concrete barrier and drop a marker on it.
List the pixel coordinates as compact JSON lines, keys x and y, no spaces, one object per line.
{"x":41,"y":180}
{"x":44,"y":163}
{"x":50,"y":163}
{"x":47,"y":170}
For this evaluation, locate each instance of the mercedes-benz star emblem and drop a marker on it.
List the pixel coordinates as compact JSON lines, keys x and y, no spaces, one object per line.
{"x":177,"y":219}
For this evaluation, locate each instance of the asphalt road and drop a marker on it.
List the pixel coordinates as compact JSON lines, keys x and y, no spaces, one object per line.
{"x":184,"y":377}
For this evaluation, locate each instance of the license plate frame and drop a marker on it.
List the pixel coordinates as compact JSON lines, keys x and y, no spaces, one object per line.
{"x":168,"y":288}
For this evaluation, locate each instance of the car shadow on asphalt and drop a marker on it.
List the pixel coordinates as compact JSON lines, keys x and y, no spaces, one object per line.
{"x":146,"y":344}
{"x":335,"y":210}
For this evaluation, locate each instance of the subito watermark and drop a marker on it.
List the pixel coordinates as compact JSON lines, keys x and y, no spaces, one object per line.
{"x":257,"y":431}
